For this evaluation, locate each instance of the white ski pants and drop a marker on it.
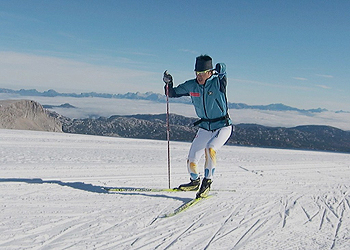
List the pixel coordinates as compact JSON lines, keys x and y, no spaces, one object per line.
{"x":206,"y":143}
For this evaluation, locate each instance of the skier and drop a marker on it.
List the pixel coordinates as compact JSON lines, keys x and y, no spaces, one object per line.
{"x":208,"y":95}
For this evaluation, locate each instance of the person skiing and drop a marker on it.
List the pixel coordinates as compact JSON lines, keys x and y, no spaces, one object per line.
{"x":208,"y":95}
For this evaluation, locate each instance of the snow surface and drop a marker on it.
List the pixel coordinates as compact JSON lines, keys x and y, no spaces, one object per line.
{"x":51,"y":196}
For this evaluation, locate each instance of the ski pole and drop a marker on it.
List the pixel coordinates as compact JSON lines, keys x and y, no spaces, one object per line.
{"x":168,"y":130}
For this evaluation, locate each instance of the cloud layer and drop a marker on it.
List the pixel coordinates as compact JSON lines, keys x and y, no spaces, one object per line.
{"x":43,"y":72}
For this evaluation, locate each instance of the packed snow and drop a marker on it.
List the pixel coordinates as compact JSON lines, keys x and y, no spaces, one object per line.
{"x":52,"y":196}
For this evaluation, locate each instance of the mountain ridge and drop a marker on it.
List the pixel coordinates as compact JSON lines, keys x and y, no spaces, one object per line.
{"x":30,"y":115}
{"x":156,"y":97}
{"x":144,"y":126}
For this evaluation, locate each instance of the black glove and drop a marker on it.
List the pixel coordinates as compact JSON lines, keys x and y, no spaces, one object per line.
{"x":167,"y":78}
{"x":217,"y":68}
{"x":220,"y":69}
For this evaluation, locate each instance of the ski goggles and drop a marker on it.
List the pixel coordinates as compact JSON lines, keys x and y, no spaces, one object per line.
{"x":203,"y":72}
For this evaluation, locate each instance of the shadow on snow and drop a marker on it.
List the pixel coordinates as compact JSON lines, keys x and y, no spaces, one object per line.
{"x":87,"y":187}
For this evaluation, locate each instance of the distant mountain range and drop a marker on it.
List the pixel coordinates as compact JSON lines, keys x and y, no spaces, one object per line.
{"x":65,"y":105}
{"x":155,"y":97}
{"x":30,"y":115}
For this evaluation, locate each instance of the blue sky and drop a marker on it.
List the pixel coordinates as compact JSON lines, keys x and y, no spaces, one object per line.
{"x":294,"y":52}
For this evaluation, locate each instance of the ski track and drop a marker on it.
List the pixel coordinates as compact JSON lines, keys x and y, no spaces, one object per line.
{"x":51,"y":196}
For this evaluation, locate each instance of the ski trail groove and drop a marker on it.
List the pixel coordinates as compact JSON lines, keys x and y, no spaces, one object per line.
{"x":221,"y":226}
{"x":245,"y":234}
{"x":183,"y":232}
{"x":306,"y":213}
{"x":322,"y":218}
{"x":285,"y":213}
{"x":340,"y":221}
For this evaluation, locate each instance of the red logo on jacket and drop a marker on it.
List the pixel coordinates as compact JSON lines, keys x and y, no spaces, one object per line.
{"x":195,"y":94}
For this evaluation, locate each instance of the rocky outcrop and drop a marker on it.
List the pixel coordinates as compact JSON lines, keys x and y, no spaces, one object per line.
{"x":27,"y":115}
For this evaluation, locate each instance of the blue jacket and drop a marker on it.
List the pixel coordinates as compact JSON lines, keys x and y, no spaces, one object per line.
{"x":209,"y":100}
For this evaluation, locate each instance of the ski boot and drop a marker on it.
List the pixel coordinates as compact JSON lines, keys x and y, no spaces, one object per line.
{"x":192,"y":186}
{"x":204,"y":190}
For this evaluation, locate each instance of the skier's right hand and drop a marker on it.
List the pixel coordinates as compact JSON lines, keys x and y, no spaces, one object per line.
{"x":167,"y":78}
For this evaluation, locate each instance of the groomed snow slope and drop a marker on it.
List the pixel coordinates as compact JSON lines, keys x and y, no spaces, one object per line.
{"x":51,"y":196}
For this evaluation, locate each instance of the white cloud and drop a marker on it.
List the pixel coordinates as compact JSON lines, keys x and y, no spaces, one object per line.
{"x":189,"y":51}
{"x":300,"y":78}
{"x":325,"y":76}
{"x":322,"y":86}
{"x":43,"y":72}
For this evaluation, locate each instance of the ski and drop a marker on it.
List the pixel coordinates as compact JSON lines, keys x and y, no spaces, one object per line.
{"x":131,"y":189}
{"x":185,"y":206}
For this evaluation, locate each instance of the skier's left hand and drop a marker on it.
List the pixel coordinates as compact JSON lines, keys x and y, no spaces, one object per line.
{"x":167,"y":78}
{"x":220,"y":69}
